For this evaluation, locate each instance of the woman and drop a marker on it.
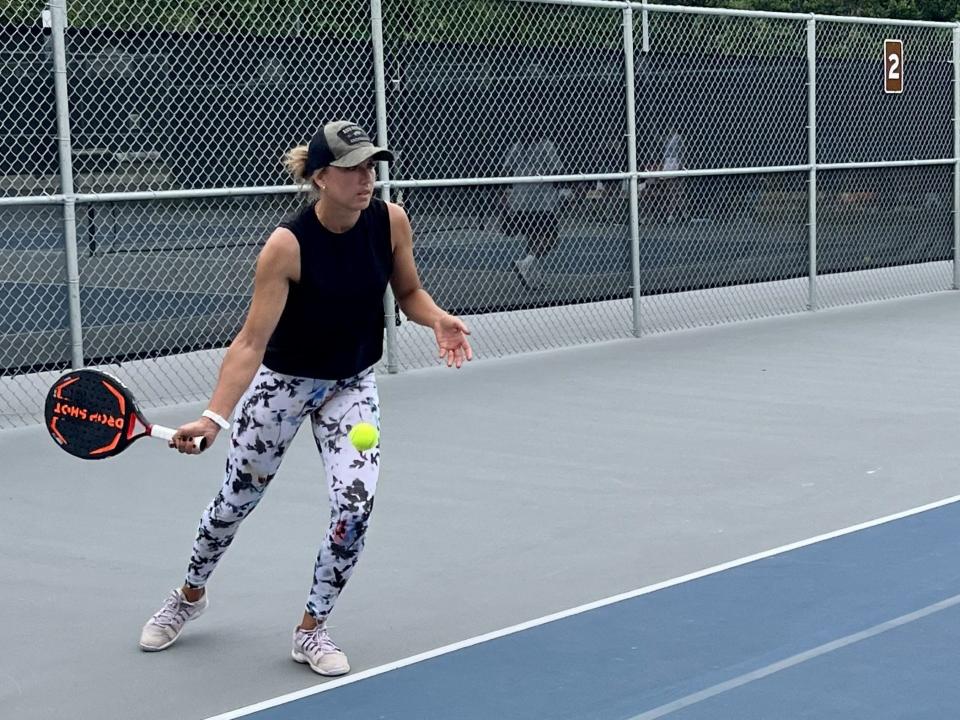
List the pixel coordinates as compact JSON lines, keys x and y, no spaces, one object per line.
{"x":307,"y":349}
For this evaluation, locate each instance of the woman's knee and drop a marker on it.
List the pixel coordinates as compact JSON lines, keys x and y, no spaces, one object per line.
{"x":224,"y":513}
{"x":350,"y":524}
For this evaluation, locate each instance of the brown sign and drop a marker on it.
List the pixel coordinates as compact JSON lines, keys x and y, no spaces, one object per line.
{"x":893,"y":66}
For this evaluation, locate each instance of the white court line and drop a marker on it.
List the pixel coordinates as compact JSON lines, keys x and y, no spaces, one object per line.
{"x":793,"y":660}
{"x":446,"y":649}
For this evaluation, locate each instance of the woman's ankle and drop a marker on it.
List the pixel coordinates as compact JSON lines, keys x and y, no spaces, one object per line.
{"x":192,"y":594}
{"x":308,"y":622}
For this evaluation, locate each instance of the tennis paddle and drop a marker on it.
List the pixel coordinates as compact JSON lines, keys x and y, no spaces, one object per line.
{"x":92,"y":415}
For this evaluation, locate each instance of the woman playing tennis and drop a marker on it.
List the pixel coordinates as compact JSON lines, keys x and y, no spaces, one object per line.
{"x":307,"y":349}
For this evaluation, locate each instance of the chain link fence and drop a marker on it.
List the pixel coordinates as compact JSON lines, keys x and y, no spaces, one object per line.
{"x":575,"y":172}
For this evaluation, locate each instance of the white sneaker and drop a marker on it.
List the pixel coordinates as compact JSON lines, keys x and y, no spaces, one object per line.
{"x":316,"y":649}
{"x":162,"y":630}
{"x":528,"y":271}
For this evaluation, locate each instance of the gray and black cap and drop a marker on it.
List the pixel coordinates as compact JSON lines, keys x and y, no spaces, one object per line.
{"x":342,"y":144}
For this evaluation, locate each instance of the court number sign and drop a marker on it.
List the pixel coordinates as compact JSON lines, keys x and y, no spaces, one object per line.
{"x":893,"y":66}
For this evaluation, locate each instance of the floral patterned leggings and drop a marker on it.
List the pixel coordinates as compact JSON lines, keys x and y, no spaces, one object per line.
{"x":270,"y":413}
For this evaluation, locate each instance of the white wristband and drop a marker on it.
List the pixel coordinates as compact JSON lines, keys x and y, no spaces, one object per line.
{"x":224,"y":425}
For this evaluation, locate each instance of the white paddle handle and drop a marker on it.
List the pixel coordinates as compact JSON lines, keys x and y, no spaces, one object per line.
{"x":165,"y":433}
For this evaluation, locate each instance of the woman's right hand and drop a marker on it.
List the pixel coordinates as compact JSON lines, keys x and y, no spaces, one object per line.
{"x":183,"y":438}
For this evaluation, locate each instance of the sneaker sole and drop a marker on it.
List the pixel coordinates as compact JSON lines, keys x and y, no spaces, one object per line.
{"x":304,"y":660}
{"x":151,"y":648}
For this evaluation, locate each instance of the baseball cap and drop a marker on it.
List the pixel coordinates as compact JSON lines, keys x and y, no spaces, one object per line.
{"x":342,"y":144}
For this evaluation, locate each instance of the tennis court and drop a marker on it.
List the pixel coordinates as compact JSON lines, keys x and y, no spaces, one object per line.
{"x":198,"y":267}
{"x":864,"y":625}
{"x":704,"y":465}
{"x":577,"y":476}
{"x":107,"y":306}
{"x":119,"y":322}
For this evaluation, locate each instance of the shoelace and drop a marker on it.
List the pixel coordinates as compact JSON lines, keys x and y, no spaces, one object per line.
{"x":172,"y":613}
{"x":318,"y":639}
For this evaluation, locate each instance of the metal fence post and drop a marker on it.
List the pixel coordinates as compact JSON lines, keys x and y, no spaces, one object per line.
{"x":389,"y":302}
{"x":632,"y":165}
{"x":646,"y":28}
{"x":58,"y":25}
{"x":812,"y":159}
{"x":956,"y":158}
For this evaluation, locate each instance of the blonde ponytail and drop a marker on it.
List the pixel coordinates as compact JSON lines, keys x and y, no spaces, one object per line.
{"x":295,"y":163}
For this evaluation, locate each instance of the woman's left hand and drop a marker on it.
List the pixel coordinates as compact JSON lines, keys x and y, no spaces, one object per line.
{"x":452,"y":340}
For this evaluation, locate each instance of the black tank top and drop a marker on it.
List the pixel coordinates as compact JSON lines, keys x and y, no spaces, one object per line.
{"x":332,"y":325}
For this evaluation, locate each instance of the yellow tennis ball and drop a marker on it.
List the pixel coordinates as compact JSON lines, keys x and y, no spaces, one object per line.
{"x":363,"y":436}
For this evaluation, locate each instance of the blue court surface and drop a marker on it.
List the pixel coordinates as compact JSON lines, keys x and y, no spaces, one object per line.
{"x":45,"y":306}
{"x":862,"y":623}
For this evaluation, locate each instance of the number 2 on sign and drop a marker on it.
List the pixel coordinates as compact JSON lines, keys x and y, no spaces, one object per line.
{"x":893,"y":66}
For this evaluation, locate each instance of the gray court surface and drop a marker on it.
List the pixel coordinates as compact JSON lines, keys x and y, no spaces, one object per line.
{"x":512,"y":489}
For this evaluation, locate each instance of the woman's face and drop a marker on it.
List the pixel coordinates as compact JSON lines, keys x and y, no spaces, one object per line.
{"x":350,"y":188}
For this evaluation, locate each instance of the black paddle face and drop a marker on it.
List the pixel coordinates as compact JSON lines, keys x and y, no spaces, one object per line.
{"x":90,"y":414}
